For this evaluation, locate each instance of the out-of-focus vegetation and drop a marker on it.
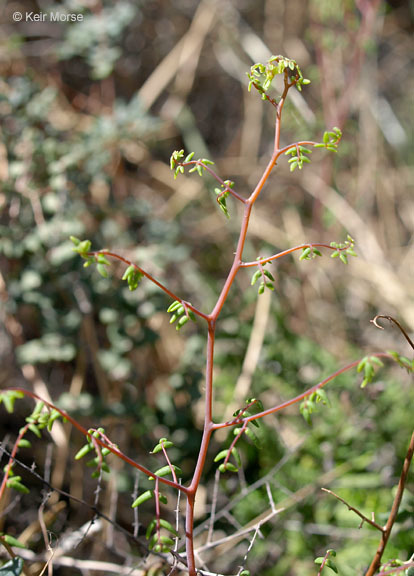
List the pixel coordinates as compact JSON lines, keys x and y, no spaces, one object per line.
{"x":90,"y":112}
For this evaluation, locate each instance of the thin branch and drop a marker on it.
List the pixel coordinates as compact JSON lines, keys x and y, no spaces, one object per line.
{"x":171,"y":467}
{"x":391,"y":319}
{"x":150,"y":277}
{"x":325,"y":558}
{"x":396,"y":569}
{"x":394,"y":510}
{"x":87,"y":434}
{"x":215,"y":176}
{"x":289,"y":251}
{"x":357,"y":512}
{"x":296,"y":398}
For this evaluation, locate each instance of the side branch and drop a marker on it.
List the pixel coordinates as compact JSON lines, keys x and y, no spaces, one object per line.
{"x":295,"y":145}
{"x":279,"y":407}
{"x":289,"y":251}
{"x":216,"y":177}
{"x":151,"y":278}
{"x":353,"y":509}
{"x":101,"y":443}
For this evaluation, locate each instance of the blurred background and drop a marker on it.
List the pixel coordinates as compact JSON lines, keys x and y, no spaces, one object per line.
{"x":90,"y":113}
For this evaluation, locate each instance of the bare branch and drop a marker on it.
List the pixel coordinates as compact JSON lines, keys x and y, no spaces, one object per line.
{"x":357,"y":512}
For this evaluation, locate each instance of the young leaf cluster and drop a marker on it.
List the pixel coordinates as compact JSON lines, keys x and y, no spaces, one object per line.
{"x":15,"y":482}
{"x":99,"y":462}
{"x":180,"y":314}
{"x":227,"y":466}
{"x":367,"y":366}
{"x":254,"y":406}
{"x":309,"y":253}
{"x":265,"y":276}
{"x":162,"y":446}
{"x":82,"y":247}
{"x":160,"y":542}
{"x":308,"y":406}
{"x":222,"y":194}
{"x":343,"y":250}
{"x":402,"y":361}
{"x":330,"y":140}
{"x":178,"y":163}
{"x":41,"y":417}
{"x":262,"y":75}
{"x":133,"y":276}
{"x":298,"y":157}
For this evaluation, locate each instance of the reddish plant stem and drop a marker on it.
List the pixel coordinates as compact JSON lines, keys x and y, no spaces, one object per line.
{"x":8,"y":468}
{"x":215,"y":176}
{"x":211,"y":319}
{"x":289,"y":251}
{"x":151,"y":278}
{"x":375,"y":564}
{"x":209,"y":426}
{"x":325,"y":558}
{"x":102,"y":444}
{"x":298,"y":398}
{"x":171,"y":467}
{"x":235,"y":440}
{"x":157,"y":509}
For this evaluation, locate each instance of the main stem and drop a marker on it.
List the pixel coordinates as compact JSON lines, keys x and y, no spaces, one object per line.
{"x":212,"y":319}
